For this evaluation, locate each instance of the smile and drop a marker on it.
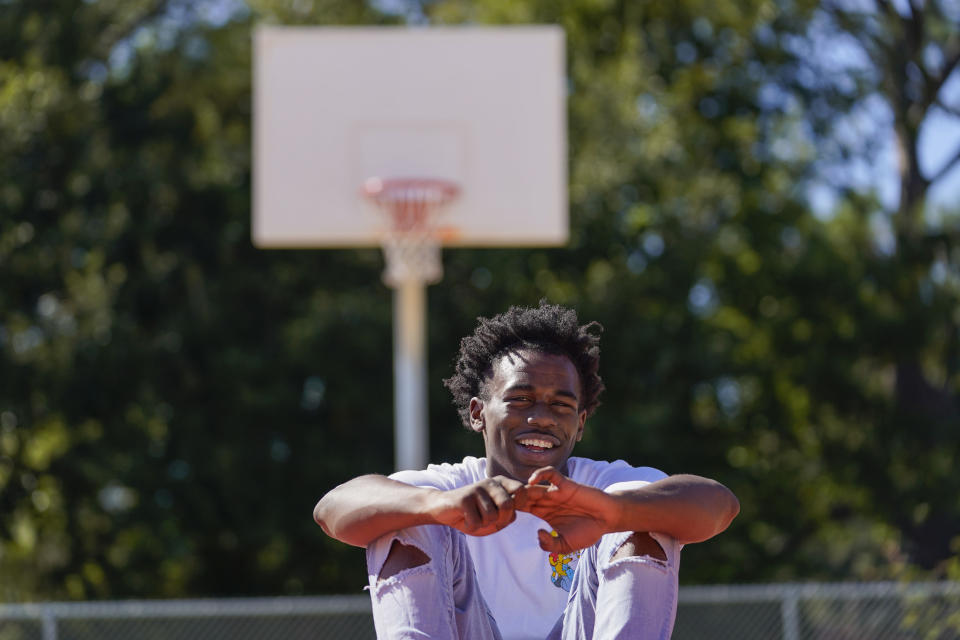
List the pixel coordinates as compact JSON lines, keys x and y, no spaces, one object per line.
{"x":537,"y":442}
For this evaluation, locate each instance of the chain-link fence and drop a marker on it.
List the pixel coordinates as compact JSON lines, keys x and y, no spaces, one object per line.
{"x":318,"y":618}
{"x":845,"y":611}
{"x":853,"y":611}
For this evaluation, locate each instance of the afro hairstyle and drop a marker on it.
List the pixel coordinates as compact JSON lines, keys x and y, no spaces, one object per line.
{"x":548,"y":329}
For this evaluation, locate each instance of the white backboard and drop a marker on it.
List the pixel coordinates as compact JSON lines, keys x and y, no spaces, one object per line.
{"x":482,"y":107}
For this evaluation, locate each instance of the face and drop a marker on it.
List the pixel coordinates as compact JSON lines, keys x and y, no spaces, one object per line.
{"x":531,"y":416}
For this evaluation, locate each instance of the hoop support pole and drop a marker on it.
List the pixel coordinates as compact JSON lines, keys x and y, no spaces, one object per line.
{"x":412,"y":253}
{"x":410,"y":375}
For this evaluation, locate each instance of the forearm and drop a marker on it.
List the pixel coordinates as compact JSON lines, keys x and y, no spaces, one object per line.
{"x":685,"y":507}
{"x":366,"y":508}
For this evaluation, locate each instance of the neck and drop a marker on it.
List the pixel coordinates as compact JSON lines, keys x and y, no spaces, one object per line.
{"x":494,"y":469}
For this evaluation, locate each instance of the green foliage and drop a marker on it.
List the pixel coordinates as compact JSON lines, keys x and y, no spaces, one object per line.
{"x":173,"y":401}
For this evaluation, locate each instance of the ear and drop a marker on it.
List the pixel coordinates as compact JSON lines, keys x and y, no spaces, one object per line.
{"x":477,"y":421}
{"x":583,"y":421}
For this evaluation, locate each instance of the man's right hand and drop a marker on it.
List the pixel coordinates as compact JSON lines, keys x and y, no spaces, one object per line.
{"x":481,"y":508}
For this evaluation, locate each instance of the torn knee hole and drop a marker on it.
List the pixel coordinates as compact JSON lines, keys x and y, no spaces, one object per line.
{"x":640,"y":544}
{"x":402,"y":556}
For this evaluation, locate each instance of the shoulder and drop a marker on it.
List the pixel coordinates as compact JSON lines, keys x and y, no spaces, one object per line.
{"x":445,"y":476}
{"x":602,"y":473}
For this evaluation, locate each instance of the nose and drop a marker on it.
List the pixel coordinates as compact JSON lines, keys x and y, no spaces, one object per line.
{"x":540,"y":415}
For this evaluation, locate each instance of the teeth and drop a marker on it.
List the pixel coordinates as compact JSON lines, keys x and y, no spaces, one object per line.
{"x":533,"y":442}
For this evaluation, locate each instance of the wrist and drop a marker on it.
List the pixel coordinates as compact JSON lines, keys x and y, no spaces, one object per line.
{"x":431,"y":506}
{"x":617,"y":518}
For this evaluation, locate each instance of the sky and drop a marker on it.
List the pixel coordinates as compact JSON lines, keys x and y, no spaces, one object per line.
{"x":939,"y":136}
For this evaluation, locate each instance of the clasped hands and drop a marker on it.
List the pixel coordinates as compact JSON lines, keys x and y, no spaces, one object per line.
{"x":579,"y":514}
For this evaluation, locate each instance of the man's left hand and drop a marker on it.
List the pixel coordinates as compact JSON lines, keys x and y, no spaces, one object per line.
{"x":579,"y":514}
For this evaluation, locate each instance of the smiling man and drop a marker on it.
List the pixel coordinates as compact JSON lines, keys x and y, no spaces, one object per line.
{"x":527,"y":542}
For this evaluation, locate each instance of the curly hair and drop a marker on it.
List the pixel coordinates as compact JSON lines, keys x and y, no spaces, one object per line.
{"x":548,"y":329}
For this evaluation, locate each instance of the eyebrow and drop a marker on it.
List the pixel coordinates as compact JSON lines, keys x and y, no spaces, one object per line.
{"x":529,"y":387}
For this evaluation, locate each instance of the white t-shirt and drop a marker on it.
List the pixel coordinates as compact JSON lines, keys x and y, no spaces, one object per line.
{"x":525,"y":587}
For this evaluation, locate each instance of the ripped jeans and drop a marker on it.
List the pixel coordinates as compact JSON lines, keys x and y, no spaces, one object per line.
{"x":631,"y":597}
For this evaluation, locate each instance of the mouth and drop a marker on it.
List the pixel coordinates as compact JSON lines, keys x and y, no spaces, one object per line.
{"x":537,"y":444}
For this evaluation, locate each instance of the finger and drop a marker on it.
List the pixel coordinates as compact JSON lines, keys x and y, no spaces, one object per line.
{"x":521,"y":499}
{"x":552,"y":543}
{"x":509,"y":484}
{"x":471,"y":515}
{"x":500,"y":496}
{"x":505,"y":520}
{"x":486,"y":507}
{"x":546,"y":475}
{"x":484,"y":531}
{"x":504,"y":503}
{"x":536,"y":491}
{"x":530,"y":497}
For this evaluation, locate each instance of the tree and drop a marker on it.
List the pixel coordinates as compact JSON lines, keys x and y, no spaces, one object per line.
{"x":164,"y":383}
{"x":174,"y":401}
{"x":783,"y":343}
{"x":908,"y":53}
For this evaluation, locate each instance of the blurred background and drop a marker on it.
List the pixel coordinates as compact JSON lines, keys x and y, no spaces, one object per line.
{"x":765,"y":211}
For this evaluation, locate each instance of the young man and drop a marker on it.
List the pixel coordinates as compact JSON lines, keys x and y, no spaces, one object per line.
{"x":527,"y":542}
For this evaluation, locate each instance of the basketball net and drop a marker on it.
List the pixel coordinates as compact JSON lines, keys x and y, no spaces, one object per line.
{"x":411,"y":244}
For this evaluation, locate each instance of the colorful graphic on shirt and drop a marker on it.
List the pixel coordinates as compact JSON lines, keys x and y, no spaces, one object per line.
{"x":562,"y":575}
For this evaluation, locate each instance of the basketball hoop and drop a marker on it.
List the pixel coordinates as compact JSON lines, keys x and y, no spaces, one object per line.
{"x":411,"y":244}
